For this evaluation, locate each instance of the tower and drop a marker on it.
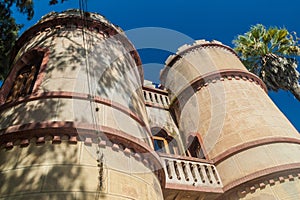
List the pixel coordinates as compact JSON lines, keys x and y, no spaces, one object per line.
{"x":253,"y":146}
{"x":73,"y":118}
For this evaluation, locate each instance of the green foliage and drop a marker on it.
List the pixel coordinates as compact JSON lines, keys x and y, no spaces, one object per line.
{"x":9,"y":28}
{"x":270,"y":54}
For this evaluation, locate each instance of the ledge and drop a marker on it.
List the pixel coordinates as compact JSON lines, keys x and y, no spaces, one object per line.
{"x":252,"y":144}
{"x":74,"y":95}
{"x":211,"y":78}
{"x":73,"y":132}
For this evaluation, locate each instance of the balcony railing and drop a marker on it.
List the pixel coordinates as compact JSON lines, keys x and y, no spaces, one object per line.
{"x":187,"y":171}
{"x":156,"y":99}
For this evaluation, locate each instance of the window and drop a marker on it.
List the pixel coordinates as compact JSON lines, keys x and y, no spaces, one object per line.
{"x":160,"y":144}
{"x":194,"y":148}
{"x":25,"y":78}
{"x":164,"y":143}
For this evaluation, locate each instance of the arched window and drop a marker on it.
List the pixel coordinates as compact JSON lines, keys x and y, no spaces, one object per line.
{"x":164,"y":143}
{"x":25,"y":77}
{"x":194,"y":148}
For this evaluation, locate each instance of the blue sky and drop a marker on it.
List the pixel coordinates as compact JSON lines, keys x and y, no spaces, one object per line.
{"x":211,"y":19}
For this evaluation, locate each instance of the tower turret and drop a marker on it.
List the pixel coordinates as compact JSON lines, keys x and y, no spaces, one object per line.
{"x":254,"y":147}
{"x":73,"y":119}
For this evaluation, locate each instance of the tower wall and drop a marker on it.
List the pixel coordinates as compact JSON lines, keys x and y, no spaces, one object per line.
{"x":82,"y":132}
{"x":242,"y":130}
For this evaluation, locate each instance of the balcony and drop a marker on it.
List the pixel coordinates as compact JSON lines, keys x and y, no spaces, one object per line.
{"x":190,"y":177}
{"x":156,"y":98}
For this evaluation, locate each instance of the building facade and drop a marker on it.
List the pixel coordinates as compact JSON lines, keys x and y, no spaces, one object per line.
{"x":78,"y":121}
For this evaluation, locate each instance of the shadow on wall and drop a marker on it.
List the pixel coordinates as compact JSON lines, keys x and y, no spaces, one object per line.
{"x":106,"y":70}
{"x":38,"y":171}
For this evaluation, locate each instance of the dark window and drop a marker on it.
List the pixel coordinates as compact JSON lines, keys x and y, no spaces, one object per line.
{"x":195,"y":149}
{"x":24,"y":81}
{"x":160,"y":144}
{"x":163,"y":142}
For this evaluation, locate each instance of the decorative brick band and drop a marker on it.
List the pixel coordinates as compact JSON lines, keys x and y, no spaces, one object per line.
{"x":73,"y":132}
{"x":77,"y":21}
{"x":180,"y":54}
{"x":30,"y":55}
{"x":258,"y":177}
{"x":212,"y":77}
{"x":252,"y":144}
{"x":74,"y":95}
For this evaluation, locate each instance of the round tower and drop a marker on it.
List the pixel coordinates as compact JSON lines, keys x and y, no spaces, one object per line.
{"x":73,"y":120}
{"x":254,"y":147}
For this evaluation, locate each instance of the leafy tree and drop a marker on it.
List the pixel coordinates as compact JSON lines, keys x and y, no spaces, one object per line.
{"x":271,"y":55}
{"x":9,"y":28}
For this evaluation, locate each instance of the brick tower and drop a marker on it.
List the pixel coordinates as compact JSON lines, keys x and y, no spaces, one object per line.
{"x":253,"y":146}
{"x":73,"y":118}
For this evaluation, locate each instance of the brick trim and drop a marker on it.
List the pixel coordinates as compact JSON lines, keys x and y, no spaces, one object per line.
{"x":18,"y":65}
{"x":102,"y":135}
{"x":72,"y":20}
{"x":210,"y":78}
{"x":73,"y":95}
{"x":198,"y":46}
{"x":252,"y":144}
{"x":260,"y":174}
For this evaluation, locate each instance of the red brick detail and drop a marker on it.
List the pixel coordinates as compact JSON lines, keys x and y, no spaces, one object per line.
{"x":73,"y":140}
{"x":115,"y":147}
{"x":58,"y":130}
{"x":72,"y":20}
{"x":9,"y":145}
{"x":127,"y":151}
{"x":8,"y":83}
{"x":24,"y":143}
{"x":206,"y":79}
{"x":281,"y":179}
{"x":137,"y":156}
{"x":40,"y":140}
{"x":207,"y":45}
{"x":102,"y":143}
{"x":259,"y":174}
{"x":252,"y":144}
{"x":272,"y":181}
{"x":74,"y":95}
{"x":262,"y":185}
{"x":88,"y":141}
{"x":42,"y":70}
{"x":291,"y":178}
{"x":56,"y":139}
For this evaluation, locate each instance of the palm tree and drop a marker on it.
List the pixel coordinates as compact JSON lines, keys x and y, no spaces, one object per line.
{"x":270,"y":54}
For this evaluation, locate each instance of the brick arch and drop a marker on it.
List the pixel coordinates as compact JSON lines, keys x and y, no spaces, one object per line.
{"x":34,"y":56}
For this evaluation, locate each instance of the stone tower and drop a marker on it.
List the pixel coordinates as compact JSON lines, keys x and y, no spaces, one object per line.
{"x":73,"y":118}
{"x":253,"y":146}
